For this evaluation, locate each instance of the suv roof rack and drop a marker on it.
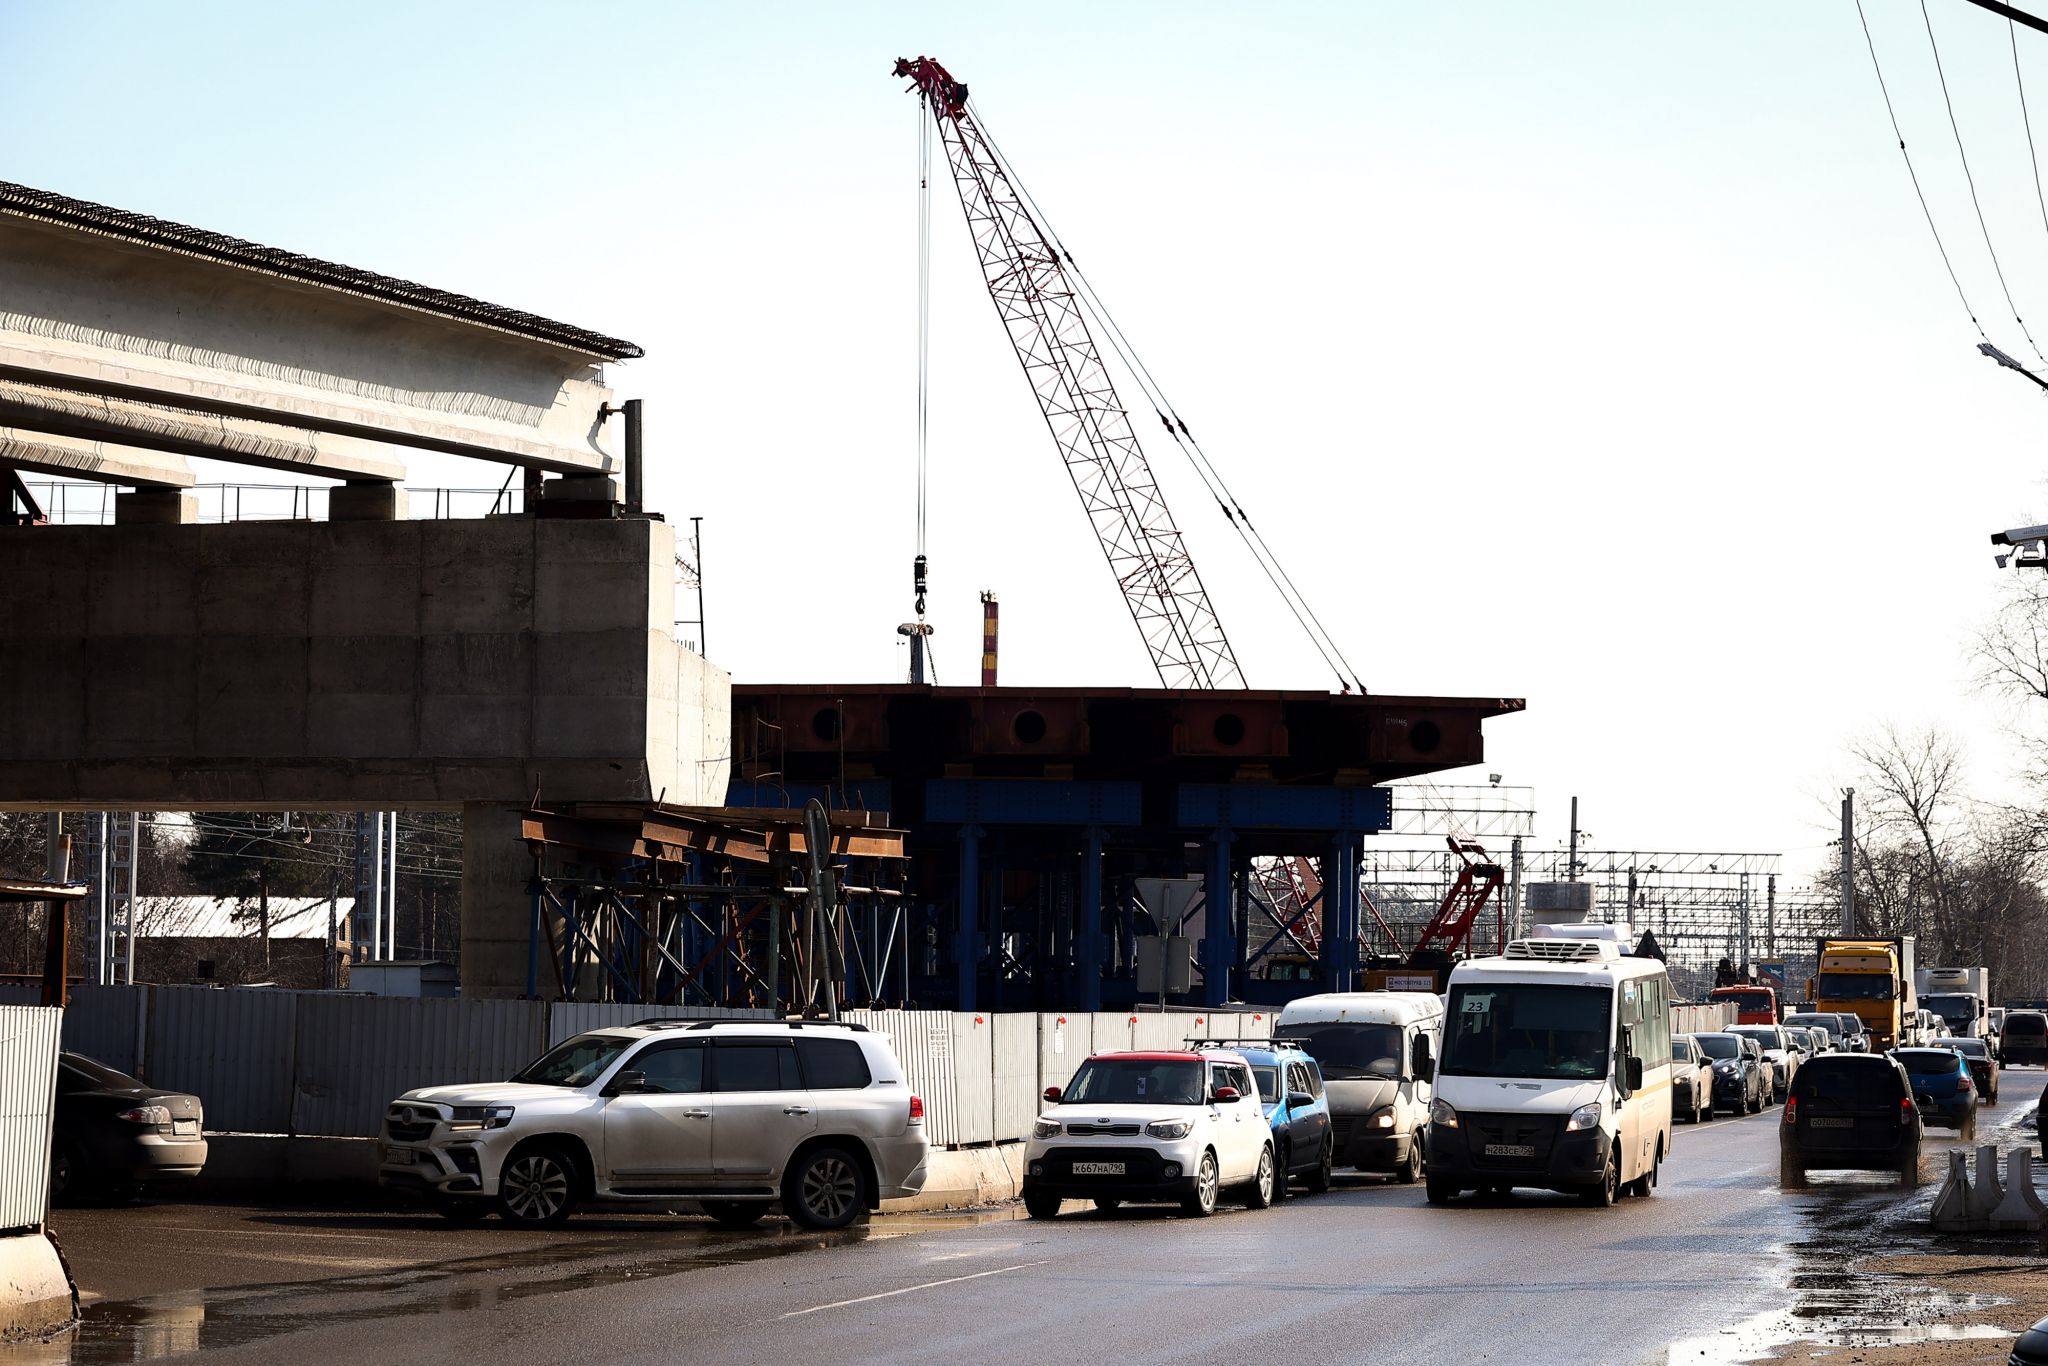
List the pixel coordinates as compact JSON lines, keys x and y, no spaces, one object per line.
{"x":1245,"y":1043}
{"x":666,"y":1022}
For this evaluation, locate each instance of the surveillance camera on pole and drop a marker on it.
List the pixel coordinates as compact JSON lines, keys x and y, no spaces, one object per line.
{"x":2029,"y":547}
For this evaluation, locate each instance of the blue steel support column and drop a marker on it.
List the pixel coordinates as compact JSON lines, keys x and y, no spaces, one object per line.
{"x":1219,"y":949}
{"x":1340,"y":913}
{"x":1088,"y":934}
{"x":967,"y":939}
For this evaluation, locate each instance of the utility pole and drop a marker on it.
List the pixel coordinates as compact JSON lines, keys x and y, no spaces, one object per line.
{"x":1514,"y":889}
{"x":1848,"y":927}
{"x":1771,"y":914}
{"x":1571,"y":869}
{"x":263,"y":914}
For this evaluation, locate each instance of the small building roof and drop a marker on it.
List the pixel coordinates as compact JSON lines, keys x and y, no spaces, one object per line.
{"x":49,"y":207}
{"x":229,"y":917}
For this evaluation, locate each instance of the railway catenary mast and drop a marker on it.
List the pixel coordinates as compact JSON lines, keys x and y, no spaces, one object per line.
{"x":1038,"y":306}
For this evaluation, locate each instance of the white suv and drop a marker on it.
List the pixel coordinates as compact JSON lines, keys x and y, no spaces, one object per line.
{"x":731,"y":1114}
{"x":1151,"y":1126}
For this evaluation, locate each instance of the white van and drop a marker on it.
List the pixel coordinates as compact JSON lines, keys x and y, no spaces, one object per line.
{"x":1555,"y":1073}
{"x":1376,"y":1050}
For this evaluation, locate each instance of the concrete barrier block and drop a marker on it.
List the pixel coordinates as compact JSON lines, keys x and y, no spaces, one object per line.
{"x":1950,"y":1212}
{"x":156,"y":507}
{"x":367,"y":501}
{"x":967,"y":1177}
{"x":2021,"y":1209}
{"x":1985,"y":1191}
{"x":37,"y":1299}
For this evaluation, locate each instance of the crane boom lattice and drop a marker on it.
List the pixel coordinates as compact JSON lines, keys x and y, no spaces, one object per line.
{"x":1047,"y":326}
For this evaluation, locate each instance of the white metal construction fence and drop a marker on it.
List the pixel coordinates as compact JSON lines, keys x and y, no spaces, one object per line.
{"x":28,"y":1088}
{"x":327,"y":1063}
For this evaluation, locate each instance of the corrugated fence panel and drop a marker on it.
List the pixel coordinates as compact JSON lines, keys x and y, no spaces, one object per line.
{"x":1166,"y":1031}
{"x":923,"y":1040}
{"x":28,"y":1078}
{"x":974,"y":1068}
{"x":1016,"y":1075}
{"x":1112,"y":1031}
{"x":357,"y":1053}
{"x":1064,"y":1043}
{"x":567,"y":1018}
{"x":14,"y":995}
{"x":100,"y":1023}
{"x":232,"y":1049}
{"x":1702,"y":1019}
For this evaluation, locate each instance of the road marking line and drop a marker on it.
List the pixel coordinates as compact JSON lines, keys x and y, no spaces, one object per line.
{"x":928,"y":1285}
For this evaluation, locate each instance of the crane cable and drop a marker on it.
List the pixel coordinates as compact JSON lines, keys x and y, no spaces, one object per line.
{"x":1971,"y":181}
{"x":924,"y":311}
{"x":1233,"y":510}
{"x":1226,"y":502}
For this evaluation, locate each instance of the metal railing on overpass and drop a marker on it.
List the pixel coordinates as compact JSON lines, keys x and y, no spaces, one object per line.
{"x":68,"y":502}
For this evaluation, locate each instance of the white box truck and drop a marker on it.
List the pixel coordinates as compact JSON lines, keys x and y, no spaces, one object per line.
{"x":1961,"y":996}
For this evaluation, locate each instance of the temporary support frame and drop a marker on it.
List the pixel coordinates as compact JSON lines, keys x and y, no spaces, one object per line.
{"x":662,"y":905}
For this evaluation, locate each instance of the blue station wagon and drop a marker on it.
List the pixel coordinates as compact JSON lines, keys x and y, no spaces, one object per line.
{"x":1291,"y":1090}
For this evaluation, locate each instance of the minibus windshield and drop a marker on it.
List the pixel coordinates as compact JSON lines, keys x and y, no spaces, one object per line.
{"x":1523,"y":1029}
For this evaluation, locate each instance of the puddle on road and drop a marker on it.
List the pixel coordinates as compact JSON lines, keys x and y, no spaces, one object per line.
{"x":158,"y":1326}
{"x":1847,"y":1217}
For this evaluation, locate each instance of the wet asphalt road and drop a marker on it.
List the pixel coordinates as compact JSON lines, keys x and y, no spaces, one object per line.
{"x":1367,"y":1271}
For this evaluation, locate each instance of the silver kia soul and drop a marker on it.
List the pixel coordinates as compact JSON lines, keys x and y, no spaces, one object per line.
{"x":731,"y":1114}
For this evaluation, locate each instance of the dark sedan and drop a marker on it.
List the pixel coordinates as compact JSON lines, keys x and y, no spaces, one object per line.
{"x":113,"y":1133}
{"x":1983,"y":1066}
{"x":1738,"y":1072}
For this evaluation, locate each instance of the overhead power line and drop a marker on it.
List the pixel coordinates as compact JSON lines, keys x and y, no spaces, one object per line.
{"x":1914,"y":175}
{"x":1971,"y":180}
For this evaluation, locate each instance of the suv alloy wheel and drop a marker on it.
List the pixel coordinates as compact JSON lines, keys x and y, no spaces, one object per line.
{"x":1202,"y":1203}
{"x":825,"y":1190}
{"x":538,"y":1187}
{"x":1260,"y":1194}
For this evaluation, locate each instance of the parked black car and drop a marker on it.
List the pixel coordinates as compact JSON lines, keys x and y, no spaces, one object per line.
{"x":1852,"y":1110}
{"x":114,"y":1133}
{"x":1738,"y":1072}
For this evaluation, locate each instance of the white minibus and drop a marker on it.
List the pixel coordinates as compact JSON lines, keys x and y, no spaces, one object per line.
{"x":1555,"y":1070}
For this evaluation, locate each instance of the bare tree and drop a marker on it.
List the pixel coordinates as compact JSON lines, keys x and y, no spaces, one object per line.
{"x":1913,"y":782}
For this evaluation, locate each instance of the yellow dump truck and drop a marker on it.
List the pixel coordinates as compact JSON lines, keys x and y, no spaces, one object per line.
{"x":1871,"y":979}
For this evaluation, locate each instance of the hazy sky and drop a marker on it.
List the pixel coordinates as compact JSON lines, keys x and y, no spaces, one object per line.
{"x":1590,"y":353}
